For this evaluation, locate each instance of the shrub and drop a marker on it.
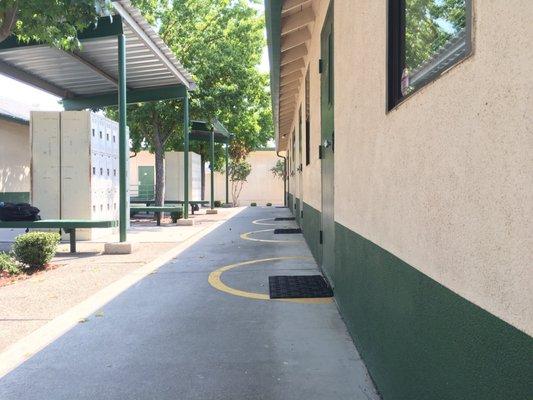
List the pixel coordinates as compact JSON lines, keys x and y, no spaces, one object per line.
{"x":269,"y":204}
{"x":253,"y":205}
{"x":175,"y":215}
{"x":218,"y":203}
{"x":9,"y":264}
{"x":36,"y":249}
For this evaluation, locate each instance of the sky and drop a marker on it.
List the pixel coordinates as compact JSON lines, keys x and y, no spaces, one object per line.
{"x":38,"y":99}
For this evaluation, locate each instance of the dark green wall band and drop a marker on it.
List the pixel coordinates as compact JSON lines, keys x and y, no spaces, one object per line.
{"x":296,"y":209}
{"x":290,"y":202}
{"x":419,"y":339}
{"x":310,"y":224}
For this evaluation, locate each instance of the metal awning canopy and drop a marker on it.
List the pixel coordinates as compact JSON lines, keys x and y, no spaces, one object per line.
{"x":89,"y":77}
{"x":121,"y":60}
{"x":201,"y":130}
{"x":213,"y":132}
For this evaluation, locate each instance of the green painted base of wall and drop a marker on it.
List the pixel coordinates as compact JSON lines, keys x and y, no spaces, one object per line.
{"x":290,"y":202}
{"x":311,"y":223}
{"x":296,"y":209}
{"x":420,"y":340}
{"x":15,"y":197}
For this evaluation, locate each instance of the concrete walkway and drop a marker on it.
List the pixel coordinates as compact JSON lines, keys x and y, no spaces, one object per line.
{"x":29,"y":304}
{"x":175,"y":336}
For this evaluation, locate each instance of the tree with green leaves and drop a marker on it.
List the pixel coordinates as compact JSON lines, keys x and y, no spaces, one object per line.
{"x":54,"y":22}
{"x":220,"y":42}
{"x":238,"y":175}
{"x":278,"y":170}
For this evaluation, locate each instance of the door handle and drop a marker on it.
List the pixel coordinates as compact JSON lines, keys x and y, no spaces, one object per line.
{"x":327,"y":143}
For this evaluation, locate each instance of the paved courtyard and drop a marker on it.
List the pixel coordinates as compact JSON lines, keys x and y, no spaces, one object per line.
{"x":202,"y":327}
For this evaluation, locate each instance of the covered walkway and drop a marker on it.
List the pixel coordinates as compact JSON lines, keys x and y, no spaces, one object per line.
{"x":196,"y":330}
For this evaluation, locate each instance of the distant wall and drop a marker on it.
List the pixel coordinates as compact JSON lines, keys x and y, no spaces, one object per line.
{"x":173,"y":173}
{"x":143,"y":158}
{"x":261,"y":186}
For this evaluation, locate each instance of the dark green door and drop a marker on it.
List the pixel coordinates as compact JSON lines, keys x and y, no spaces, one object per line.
{"x":146,"y":182}
{"x":328,"y":145}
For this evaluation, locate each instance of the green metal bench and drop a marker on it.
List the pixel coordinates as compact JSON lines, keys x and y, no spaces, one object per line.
{"x":158,"y":210}
{"x":191,"y":203}
{"x":67,"y":225}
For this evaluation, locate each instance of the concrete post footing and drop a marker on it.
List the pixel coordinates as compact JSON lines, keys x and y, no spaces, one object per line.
{"x":185,"y":222}
{"x":118,"y":248}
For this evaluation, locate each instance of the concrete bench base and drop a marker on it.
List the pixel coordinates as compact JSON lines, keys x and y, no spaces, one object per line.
{"x":185,"y":222}
{"x":211,"y":211}
{"x":118,"y":248}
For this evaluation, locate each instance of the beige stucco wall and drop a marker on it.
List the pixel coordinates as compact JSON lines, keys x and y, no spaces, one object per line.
{"x":261,"y":186}
{"x":141,"y":159}
{"x":14,"y":157}
{"x":173,"y":173}
{"x":443,"y":181}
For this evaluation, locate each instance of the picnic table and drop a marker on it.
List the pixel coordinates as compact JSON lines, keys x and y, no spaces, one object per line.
{"x":158,"y":210}
{"x":192,"y":203}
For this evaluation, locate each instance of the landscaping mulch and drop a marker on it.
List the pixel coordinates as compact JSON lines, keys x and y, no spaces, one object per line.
{"x":8,"y":279}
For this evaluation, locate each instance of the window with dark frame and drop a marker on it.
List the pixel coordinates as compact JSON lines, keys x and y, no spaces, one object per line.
{"x":307,"y":120}
{"x":425,"y":38}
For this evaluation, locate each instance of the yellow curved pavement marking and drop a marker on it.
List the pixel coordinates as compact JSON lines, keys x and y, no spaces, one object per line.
{"x":261,"y":221}
{"x":216,"y":281}
{"x":246,"y":236}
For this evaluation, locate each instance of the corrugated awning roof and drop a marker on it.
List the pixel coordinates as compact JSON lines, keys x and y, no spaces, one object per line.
{"x":93,"y":70}
{"x":201,"y":130}
{"x":14,"y":111}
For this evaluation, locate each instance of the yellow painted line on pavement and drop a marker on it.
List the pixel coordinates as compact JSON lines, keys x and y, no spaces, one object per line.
{"x":216,"y":281}
{"x":246,"y":236}
{"x":262,"y":222}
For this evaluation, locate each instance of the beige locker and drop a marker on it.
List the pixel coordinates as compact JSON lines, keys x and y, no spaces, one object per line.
{"x":75,"y":171}
{"x":76,"y":174}
{"x":45,"y":163}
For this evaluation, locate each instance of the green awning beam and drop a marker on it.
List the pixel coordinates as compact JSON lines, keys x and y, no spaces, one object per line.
{"x":134,"y":96}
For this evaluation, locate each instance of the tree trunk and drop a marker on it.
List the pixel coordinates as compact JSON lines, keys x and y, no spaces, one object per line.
{"x":159,"y":171}
{"x":202,"y":173}
{"x":9,"y":19}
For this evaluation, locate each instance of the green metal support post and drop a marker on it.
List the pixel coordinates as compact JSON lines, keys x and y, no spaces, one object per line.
{"x":212,"y":167}
{"x":122,"y":137}
{"x":186,"y":155}
{"x":227,"y":173}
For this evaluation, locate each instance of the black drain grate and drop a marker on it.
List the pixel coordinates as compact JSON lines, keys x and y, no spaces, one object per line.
{"x":284,"y":219}
{"x":287,"y":230}
{"x":298,"y":286}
